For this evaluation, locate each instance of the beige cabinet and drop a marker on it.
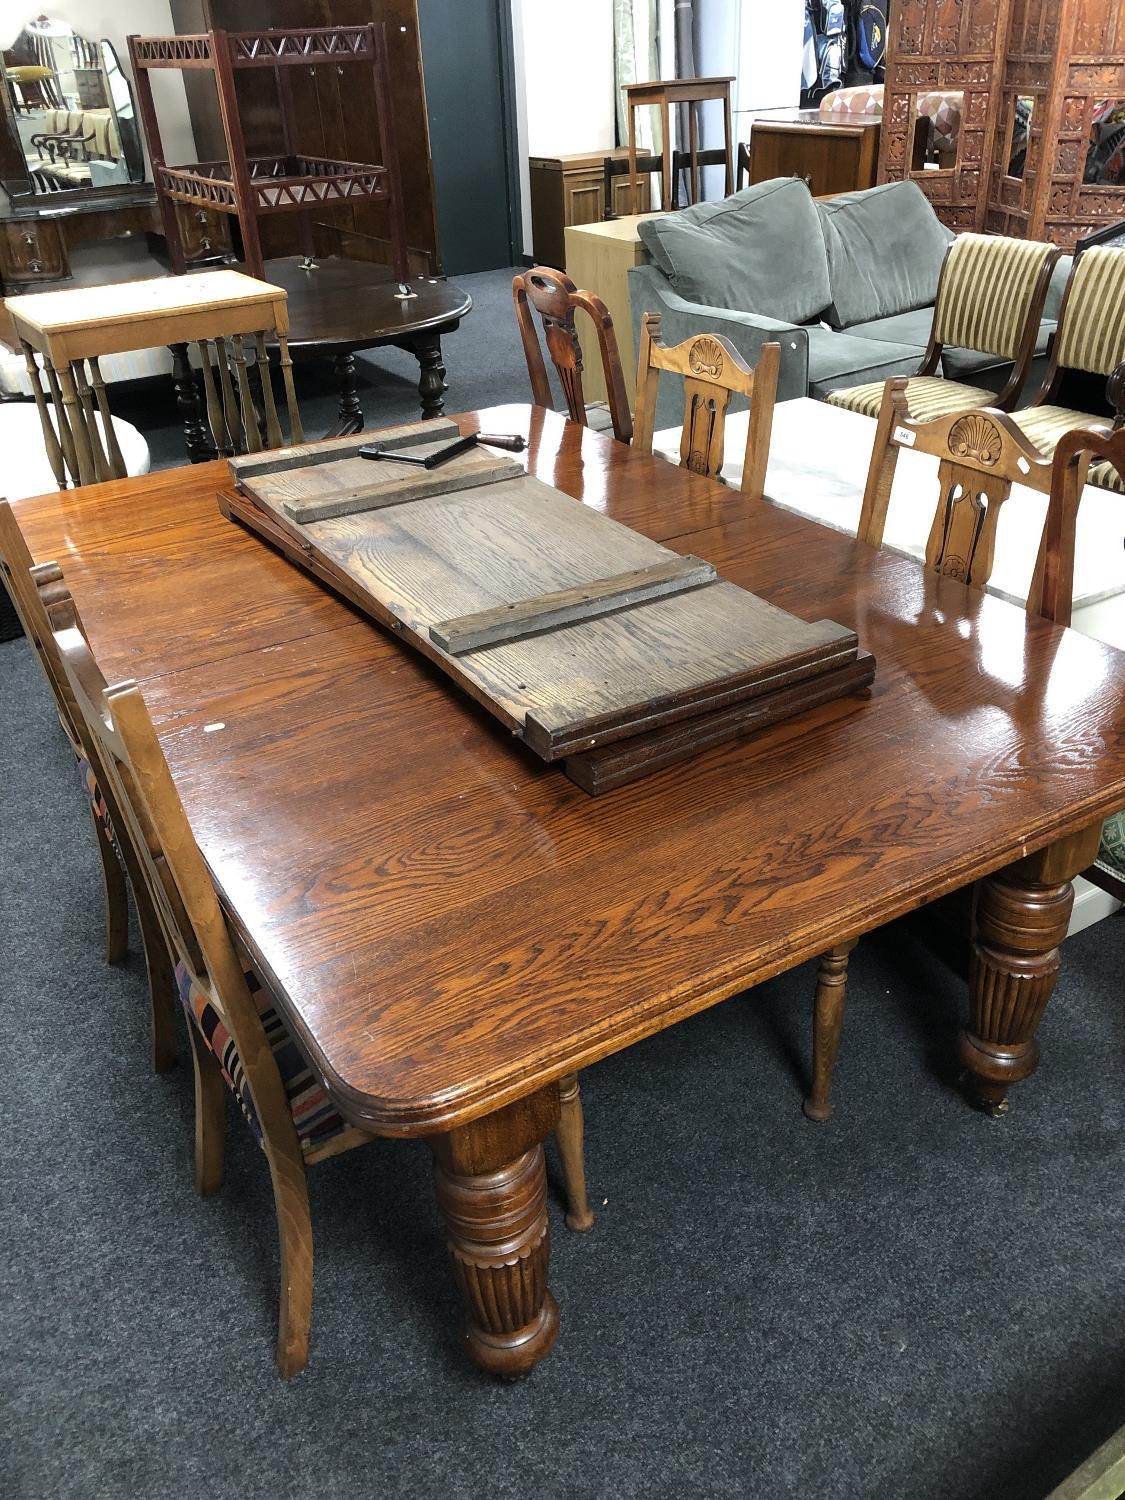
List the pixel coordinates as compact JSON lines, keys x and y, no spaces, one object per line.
{"x":598,"y":258}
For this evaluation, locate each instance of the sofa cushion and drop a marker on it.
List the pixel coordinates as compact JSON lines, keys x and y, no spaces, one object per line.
{"x":885,"y":248}
{"x":760,"y":251}
{"x":838,"y":359}
{"x":902,"y":328}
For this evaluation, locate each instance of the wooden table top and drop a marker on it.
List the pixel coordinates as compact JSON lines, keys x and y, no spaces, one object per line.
{"x":452,"y":925}
{"x":350,"y":304}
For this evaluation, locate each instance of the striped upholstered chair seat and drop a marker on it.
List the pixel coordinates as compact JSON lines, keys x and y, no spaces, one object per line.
{"x":315,"y":1116}
{"x":1044,"y":425}
{"x":928,"y":395}
{"x":990,"y":292}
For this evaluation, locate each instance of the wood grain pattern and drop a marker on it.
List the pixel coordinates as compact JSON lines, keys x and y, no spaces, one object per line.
{"x":450,"y":927}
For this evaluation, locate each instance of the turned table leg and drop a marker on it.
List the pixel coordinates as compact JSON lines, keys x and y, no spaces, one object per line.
{"x":828,"y":1020}
{"x":200,"y":448}
{"x":431,"y":382}
{"x":1021,"y":917}
{"x":351,"y":412}
{"x":491,"y":1187}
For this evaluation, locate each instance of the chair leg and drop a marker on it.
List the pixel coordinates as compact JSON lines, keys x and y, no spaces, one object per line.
{"x":116,"y":897}
{"x":210,"y":1116}
{"x":570,"y":1135}
{"x":161,"y":982}
{"x":828,"y":1020}
{"x":294,"y":1230}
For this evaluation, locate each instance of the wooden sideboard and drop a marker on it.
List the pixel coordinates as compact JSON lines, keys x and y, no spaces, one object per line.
{"x":567,"y":191}
{"x":833,"y":156}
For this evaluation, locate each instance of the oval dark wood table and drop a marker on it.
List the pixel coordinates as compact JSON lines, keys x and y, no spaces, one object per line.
{"x":340,"y":306}
{"x":452,"y":926}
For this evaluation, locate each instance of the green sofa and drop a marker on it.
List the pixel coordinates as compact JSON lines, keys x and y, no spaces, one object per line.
{"x":845,"y":285}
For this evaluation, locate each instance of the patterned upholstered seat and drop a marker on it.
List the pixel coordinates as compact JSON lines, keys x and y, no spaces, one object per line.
{"x":929,"y":396}
{"x":97,"y":800}
{"x":1111,"y":854}
{"x":314,"y":1115}
{"x":989,"y":300}
{"x":1044,"y":425}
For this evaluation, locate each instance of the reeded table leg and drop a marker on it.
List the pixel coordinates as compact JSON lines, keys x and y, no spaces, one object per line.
{"x":431,"y":381}
{"x":828,"y":1020}
{"x":1021,"y":918}
{"x":351,"y":412}
{"x":492,"y":1190}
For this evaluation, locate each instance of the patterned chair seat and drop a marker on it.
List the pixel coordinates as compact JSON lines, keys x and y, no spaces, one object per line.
{"x":314,"y":1115}
{"x":1111,"y":855}
{"x":1044,"y":425}
{"x":97,"y":800}
{"x":928,"y":397}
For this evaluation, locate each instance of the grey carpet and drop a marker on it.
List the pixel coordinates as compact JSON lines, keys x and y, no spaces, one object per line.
{"x":912,"y":1300}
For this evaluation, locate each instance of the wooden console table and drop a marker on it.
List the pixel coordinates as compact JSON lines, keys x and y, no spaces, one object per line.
{"x":664,"y":94}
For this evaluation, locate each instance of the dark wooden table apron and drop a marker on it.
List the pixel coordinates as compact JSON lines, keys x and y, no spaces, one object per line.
{"x":451,"y":926}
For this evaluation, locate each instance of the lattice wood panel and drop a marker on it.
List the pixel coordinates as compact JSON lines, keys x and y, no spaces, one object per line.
{"x":945,"y":44}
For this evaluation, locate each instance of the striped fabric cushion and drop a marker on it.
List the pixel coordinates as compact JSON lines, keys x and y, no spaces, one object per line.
{"x":986,"y":290}
{"x":97,"y":800}
{"x":926,"y":395}
{"x":1091,"y":332}
{"x":1044,"y":425}
{"x":314,"y":1114}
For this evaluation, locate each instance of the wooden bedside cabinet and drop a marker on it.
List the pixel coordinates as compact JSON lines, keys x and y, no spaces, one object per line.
{"x":567,"y":190}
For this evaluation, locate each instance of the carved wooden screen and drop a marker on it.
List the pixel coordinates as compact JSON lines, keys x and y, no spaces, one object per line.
{"x":939,"y":45}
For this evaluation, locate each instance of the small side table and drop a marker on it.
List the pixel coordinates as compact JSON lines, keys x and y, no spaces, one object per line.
{"x":664,"y":93}
{"x":72,"y":330}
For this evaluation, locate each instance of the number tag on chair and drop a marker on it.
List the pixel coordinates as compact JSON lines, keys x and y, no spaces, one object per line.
{"x":904,"y":436}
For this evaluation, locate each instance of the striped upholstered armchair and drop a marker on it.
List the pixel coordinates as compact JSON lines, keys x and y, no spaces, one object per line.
{"x":1090,"y":337}
{"x":990,"y":299}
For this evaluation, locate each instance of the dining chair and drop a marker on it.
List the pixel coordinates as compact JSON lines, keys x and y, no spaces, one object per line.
{"x":556,"y":299}
{"x":1089,"y":338}
{"x":36,"y":592}
{"x":713,"y":371}
{"x":981,"y":454}
{"x":1077,"y":455}
{"x":239,"y":1038}
{"x":990,"y":297}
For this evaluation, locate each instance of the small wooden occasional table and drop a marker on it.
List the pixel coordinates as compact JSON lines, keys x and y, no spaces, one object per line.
{"x":452,"y":928}
{"x":87,"y":323}
{"x":340,"y":306}
{"x":664,"y":93}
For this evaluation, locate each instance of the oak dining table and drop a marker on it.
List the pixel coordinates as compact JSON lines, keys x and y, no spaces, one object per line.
{"x":452,"y":926}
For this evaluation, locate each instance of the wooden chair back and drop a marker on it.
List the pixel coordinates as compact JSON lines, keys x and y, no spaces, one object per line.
{"x":1073,"y":454}
{"x":137,"y":777}
{"x":555,"y":298}
{"x":241,"y":408}
{"x":990,"y":296}
{"x":1090,"y":333}
{"x":713,"y":371}
{"x":981,"y":455}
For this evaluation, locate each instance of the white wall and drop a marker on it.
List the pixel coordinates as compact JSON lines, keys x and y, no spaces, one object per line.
{"x":564,"y":82}
{"x":115,"y":19}
{"x":564,"y":70}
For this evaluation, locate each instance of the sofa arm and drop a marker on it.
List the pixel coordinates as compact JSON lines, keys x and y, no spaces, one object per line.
{"x":650,"y":291}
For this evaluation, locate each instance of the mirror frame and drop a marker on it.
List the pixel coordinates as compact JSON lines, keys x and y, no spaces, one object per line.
{"x":19,"y":186}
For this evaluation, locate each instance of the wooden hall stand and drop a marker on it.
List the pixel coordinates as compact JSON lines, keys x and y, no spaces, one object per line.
{"x":293,"y":182}
{"x":446,"y":1001}
{"x":665,"y":93}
